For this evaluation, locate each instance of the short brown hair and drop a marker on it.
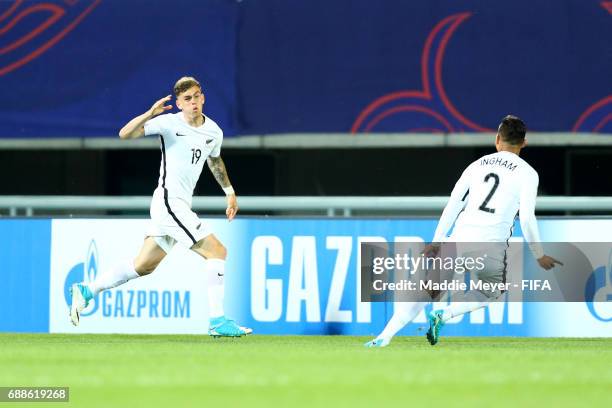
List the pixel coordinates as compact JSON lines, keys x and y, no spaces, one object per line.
{"x":184,"y":84}
{"x":512,"y":130}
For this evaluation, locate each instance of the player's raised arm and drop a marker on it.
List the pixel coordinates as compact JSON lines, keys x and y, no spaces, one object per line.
{"x":135,"y":127}
{"x":456,"y":203}
{"x":217,"y":167}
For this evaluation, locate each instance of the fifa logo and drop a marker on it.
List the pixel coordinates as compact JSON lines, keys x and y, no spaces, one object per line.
{"x":83,"y":272}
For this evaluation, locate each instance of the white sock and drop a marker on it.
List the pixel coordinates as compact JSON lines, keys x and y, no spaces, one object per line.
{"x":215,"y":268}
{"x":472,"y":300}
{"x":404,"y":313}
{"x":115,"y":276}
{"x":459,"y":308}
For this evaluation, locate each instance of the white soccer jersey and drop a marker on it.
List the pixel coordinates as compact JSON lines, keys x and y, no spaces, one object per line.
{"x":487,"y":198}
{"x":184,"y":151}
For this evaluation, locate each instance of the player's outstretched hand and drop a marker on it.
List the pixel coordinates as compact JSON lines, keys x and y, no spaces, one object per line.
{"x":160,"y":106}
{"x":232,"y":206}
{"x":548,"y":262}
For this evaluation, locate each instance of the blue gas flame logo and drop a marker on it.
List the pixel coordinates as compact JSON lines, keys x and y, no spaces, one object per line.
{"x":84,"y":272}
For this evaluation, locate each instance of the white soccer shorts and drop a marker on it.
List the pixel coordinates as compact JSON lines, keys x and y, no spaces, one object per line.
{"x":494,"y":259}
{"x":172,"y":221}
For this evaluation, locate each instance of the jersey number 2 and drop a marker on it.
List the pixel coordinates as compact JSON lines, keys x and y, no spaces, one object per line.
{"x":483,"y":206}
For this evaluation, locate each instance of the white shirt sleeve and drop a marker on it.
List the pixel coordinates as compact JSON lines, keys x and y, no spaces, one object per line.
{"x":529,"y":224}
{"x":216,"y":152}
{"x":455,"y":205}
{"x":153,"y":126}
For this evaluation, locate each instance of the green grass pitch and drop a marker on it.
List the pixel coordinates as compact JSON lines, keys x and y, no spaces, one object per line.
{"x":291,"y":371}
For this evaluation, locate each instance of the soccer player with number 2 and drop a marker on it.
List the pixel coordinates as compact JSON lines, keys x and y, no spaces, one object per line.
{"x":188,"y":138}
{"x":482,"y":206}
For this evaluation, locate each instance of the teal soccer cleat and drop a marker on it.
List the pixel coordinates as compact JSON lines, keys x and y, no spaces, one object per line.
{"x":377,"y":343}
{"x":223,"y":327}
{"x":80,"y":295}
{"x":435,"y":324}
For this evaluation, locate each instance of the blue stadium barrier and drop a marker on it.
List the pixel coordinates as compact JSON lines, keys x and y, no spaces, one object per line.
{"x":284,"y":276}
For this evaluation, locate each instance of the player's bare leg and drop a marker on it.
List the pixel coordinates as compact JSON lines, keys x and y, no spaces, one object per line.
{"x":214,"y":254}
{"x":149,"y":257}
{"x":146,"y":261}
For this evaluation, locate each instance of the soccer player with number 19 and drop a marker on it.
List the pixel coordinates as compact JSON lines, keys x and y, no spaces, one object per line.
{"x":188,"y":138}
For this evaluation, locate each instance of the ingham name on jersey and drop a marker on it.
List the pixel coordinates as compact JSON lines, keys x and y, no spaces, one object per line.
{"x":496,"y":160}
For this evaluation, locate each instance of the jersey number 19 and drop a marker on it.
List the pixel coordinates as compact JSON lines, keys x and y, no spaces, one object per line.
{"x":195,"y":155}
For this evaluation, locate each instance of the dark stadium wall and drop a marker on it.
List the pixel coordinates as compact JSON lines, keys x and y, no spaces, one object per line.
{"x":563,"y":171}
{"x":53,"y":172}
{"x":310,"y":66}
